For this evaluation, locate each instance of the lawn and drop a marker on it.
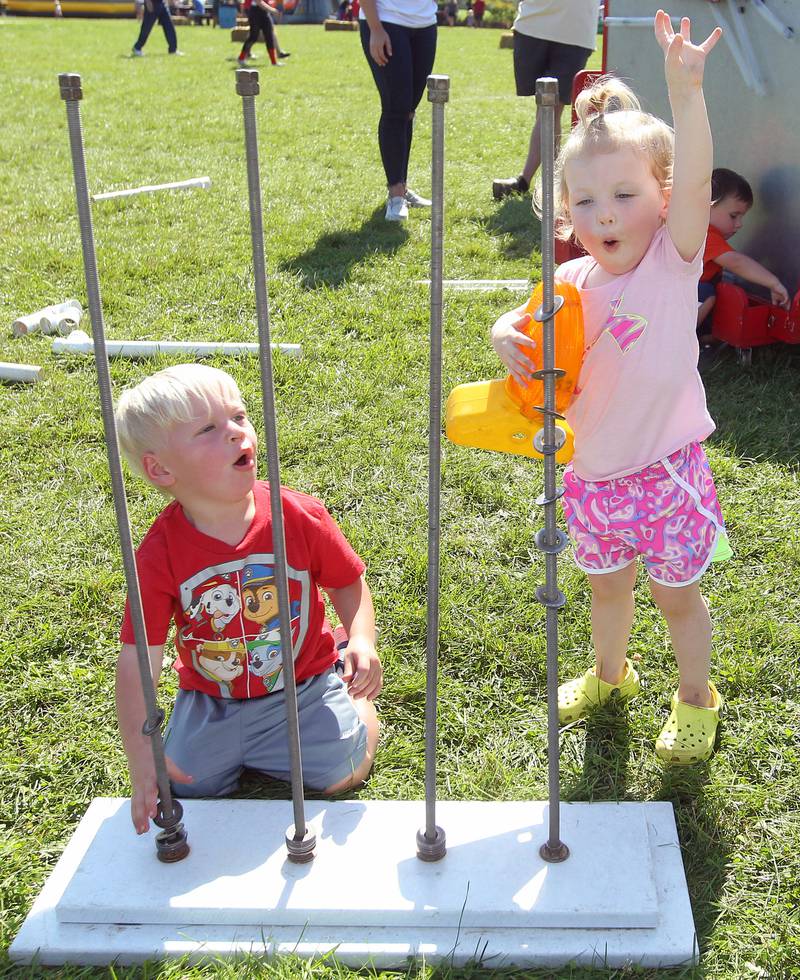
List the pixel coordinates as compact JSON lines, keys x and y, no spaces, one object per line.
{"x":353,"y":430}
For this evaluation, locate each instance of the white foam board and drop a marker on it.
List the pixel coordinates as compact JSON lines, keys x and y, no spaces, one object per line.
{"x":619,"y":898}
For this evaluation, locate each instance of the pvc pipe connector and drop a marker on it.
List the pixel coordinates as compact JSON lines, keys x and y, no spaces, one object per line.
{"x":48,"y":320}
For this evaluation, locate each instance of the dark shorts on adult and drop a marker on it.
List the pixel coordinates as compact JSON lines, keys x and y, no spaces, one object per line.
{"x":535,"y":58}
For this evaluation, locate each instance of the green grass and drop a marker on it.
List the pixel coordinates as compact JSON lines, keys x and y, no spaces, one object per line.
{"x":353,"y":428}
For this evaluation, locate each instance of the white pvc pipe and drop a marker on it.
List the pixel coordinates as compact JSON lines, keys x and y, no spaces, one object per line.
{"x":177,"y":185}
{"x":19,"y":372}
{"x":480,"y":285}
{"x":48,"y":319}
{"x":79,"y":342}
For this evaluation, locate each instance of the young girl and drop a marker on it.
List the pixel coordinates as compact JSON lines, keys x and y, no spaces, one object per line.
{"x":636,"y":197}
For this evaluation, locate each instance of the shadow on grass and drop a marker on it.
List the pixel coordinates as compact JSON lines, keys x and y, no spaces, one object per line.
{"x":706,"y":852}
{"x":606,"y":756}
{"x":332,"y":257}
{"x":756,"y":407}
{"x":517,"y":227}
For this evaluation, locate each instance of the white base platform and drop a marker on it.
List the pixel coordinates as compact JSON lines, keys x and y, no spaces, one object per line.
{"x":620,"y":897}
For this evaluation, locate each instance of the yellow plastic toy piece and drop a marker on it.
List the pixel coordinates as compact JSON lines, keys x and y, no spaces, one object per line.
{"x":502,"y":416}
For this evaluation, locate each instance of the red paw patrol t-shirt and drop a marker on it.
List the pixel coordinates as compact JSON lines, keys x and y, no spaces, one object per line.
{"x":224,"y":599}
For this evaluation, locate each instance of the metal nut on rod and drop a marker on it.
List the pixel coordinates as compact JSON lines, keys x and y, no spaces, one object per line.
{"x":431,"y":850}
{"x":247,"y":81}
{"x":300,"y":851}
{"x":70,"y":86}
{"x":438,"y":88}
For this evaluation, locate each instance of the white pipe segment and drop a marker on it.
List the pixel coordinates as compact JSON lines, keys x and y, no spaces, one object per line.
{"x":19,"y":372}
{"x":177,"y":185}
{"x":79,"y":342}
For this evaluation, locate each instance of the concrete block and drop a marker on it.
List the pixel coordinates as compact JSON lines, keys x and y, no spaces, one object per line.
{"x":619,"y":898}
{"x":507,"y":40}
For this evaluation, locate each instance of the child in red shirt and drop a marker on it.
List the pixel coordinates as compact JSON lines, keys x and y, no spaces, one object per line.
{"x":207,"y":564}
{"x":731,"y":199}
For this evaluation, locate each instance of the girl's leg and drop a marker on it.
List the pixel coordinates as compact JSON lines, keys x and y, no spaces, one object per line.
{"x":612,"y":618}
{"x":689,"y":623}
{"x":393,"y":82}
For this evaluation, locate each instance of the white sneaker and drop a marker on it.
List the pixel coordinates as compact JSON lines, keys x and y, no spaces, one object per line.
{"x":177,"y":54}
{"x":136,"y":53}
{"x":414,"y":200}
{"x":396,"y":209}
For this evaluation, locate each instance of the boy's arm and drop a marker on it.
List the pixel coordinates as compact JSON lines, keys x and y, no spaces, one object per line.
{"x":745,"y":267}
{"x":687,"y":215}
{"x":131,"y":715}
{"x":363,"y":671}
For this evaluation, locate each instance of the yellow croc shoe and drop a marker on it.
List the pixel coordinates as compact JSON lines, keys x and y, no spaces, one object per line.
{"x":577,"y":697}
{"x":690,"y":731}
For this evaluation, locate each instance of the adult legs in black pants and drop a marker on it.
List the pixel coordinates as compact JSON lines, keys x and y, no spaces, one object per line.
{"x":154,"y":11}
{"x":400,"y":83}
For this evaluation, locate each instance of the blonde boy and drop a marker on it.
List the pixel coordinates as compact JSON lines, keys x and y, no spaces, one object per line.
{"x":207,"y":565}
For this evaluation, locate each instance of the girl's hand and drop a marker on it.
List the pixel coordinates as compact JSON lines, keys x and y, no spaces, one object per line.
{"x":380,"y":47}
{"x":684,"y":62}
{"x":363,"y":673}
{"x":508,"y":338}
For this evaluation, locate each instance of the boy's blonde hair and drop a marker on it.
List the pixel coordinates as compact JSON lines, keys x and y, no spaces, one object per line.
{"x":145,"y":413}
{"x":610,"y":118}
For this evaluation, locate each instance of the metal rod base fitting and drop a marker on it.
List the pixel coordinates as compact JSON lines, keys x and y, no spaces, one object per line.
{"x":556,"y":854}
{"x":434,"y":850}
{"x":171,"y":844}
{"x":300,"y":851}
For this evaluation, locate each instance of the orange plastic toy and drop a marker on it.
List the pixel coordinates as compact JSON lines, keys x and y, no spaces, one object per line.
{"x":503,"y":416}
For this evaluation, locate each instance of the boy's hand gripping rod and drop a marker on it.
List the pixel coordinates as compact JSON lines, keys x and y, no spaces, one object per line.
{"x":171,"y":843}
{"x":550,"y":539}
{"x":300,"y":842}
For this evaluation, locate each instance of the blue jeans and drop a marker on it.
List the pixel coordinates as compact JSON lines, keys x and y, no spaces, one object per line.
{"x":400,"y":84}
{"x":158,"y":13}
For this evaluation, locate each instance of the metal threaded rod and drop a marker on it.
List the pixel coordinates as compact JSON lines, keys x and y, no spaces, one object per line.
{"x":300,"y":842}
{"x":551,"y":540}
{"x":171,"y":843}
{"x":431,"y":842}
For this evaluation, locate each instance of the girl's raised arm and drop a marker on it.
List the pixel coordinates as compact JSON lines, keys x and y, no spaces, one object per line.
{"x":684,"y":63}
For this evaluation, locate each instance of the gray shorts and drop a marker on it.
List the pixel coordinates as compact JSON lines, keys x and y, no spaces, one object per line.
{"x":214,"y":739}
{"x":535,"y":58}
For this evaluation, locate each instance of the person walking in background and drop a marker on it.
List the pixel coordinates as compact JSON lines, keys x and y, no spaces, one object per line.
{"x":259,"y":17}
{"x":156,"y":10}
{"x":399,"y":41}
{"x":552,"y":38}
